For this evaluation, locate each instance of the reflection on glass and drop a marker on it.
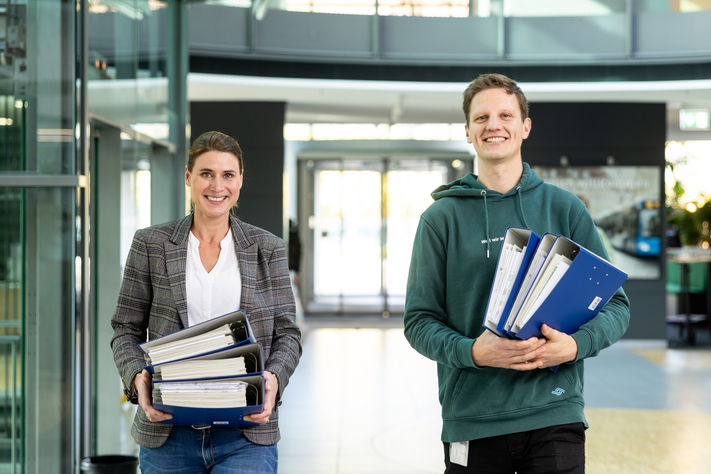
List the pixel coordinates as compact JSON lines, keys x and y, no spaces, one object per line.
{"x":12,"y":114}
{"x":349,"y":7}
{"x":33,"y":49}
{"x":432,"y":8}
{"x":11,"y":265}
{"x":37,"y":236}
{"x":49,"y":246}
{"x":648,"y":6}
{"x":37,"y":242}
{"x":135,"y":192}
{"x":128,"y":63}
{"x":552,"y":8}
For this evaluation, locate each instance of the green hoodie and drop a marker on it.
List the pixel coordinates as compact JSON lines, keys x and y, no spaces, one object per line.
{"x":453,"y":261}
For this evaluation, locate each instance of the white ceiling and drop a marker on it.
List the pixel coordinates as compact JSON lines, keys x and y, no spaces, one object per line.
{"x":347,"y":101}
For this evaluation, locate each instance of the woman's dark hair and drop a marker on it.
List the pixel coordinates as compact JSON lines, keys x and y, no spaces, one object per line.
{"x":214,"y":141}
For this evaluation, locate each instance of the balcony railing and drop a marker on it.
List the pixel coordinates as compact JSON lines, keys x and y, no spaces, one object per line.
{"x":451,"y":32}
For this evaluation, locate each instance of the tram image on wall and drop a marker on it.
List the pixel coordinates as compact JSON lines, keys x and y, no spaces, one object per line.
{"x":635,"y":229}
{"x":626,"y":204}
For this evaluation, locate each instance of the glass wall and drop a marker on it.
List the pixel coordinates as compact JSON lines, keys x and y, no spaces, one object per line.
{"x":435,"y":8}
{"x":50,"y":336}
{"x":11,"y":359}
{"x":135,"y":191}
{"x":480,"y":8}
{"x":552,"y":8}
{"x":38,"y":235}
{"x":137,"y":111}
{"x":672,"y":5}
{"x":50,"y":294}
{"x":37,"y":59}
{"x":130,"y":55}
{"x":37,"y":303}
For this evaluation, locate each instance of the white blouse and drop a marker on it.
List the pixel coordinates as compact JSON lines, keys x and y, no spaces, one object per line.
{"x":218,"y":292}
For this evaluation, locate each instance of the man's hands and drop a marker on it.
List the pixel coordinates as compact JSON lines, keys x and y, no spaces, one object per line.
{"x":560,"y":347}
{"x":271,"y":386}
{"x":554,"y":348}
{"x":142,"y":382}
{"x":490,"y":350}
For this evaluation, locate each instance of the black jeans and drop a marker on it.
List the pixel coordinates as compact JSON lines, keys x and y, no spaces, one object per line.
{"x":554,"y":450}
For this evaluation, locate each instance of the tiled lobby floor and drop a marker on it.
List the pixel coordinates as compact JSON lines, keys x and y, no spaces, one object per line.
{"x":363,"y":401}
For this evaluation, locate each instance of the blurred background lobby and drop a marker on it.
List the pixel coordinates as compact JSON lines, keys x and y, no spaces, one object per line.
{"x":349,"y":115}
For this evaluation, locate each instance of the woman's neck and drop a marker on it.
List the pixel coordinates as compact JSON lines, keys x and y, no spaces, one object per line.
{"x":210,"y":230}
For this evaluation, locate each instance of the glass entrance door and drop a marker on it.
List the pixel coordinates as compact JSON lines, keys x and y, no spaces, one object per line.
{"x":365,"y":214}
{"x":348,"y":233}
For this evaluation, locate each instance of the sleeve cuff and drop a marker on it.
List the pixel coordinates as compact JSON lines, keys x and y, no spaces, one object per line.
{"x":277,"y":371}
{"x":129,"y":389}
{"x":464,"y":352}
{"x":584,"y":341}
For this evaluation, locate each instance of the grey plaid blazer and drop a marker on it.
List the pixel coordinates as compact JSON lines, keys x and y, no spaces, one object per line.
{"x":152,"y":303}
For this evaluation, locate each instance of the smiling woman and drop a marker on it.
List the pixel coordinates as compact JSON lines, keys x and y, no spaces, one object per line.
{"x":217,"y":178}
{"x":215,"y":181}
{"x":192,"y":270}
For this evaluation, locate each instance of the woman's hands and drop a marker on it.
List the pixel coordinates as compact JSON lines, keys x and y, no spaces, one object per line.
{"x":143,"y":379}
{"x":271,"y":387}
{"x":142,"y":382}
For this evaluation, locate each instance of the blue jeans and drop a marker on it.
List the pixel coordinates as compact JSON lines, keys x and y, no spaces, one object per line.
{"x":213,"y":450}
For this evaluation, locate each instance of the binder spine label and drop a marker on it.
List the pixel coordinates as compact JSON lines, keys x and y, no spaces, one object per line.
{"x":594,"y":303}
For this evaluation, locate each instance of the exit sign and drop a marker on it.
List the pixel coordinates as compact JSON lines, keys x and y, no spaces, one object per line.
{"x":695,"y":119}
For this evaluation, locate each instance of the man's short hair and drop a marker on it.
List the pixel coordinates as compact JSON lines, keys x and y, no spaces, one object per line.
{"x":494,"y":81}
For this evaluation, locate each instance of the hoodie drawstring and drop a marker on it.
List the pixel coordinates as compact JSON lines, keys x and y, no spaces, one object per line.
{"x":520,"y":206}
{"x":486,"y":216}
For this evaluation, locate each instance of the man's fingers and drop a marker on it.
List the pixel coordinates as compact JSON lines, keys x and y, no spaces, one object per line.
{"x":549,"y":332}
{"x":527,"y":365}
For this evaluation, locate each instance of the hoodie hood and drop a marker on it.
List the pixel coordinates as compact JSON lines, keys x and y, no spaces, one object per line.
{"x":469,"y":186}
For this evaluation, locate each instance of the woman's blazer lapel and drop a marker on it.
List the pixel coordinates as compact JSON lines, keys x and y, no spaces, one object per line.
{"x":176,"y":251}
{"x":247,"y":259}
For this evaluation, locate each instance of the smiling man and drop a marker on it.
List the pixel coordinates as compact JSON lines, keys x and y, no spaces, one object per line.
{"x":503,"y":411}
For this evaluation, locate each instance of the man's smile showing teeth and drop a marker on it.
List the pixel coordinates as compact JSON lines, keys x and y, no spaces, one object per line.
{"x":216,"y":199}
{"x":494,"y":140}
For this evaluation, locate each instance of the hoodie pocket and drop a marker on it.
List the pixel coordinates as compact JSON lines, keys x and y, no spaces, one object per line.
{"x":496,"y":392}
{"x":459,"y":383}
